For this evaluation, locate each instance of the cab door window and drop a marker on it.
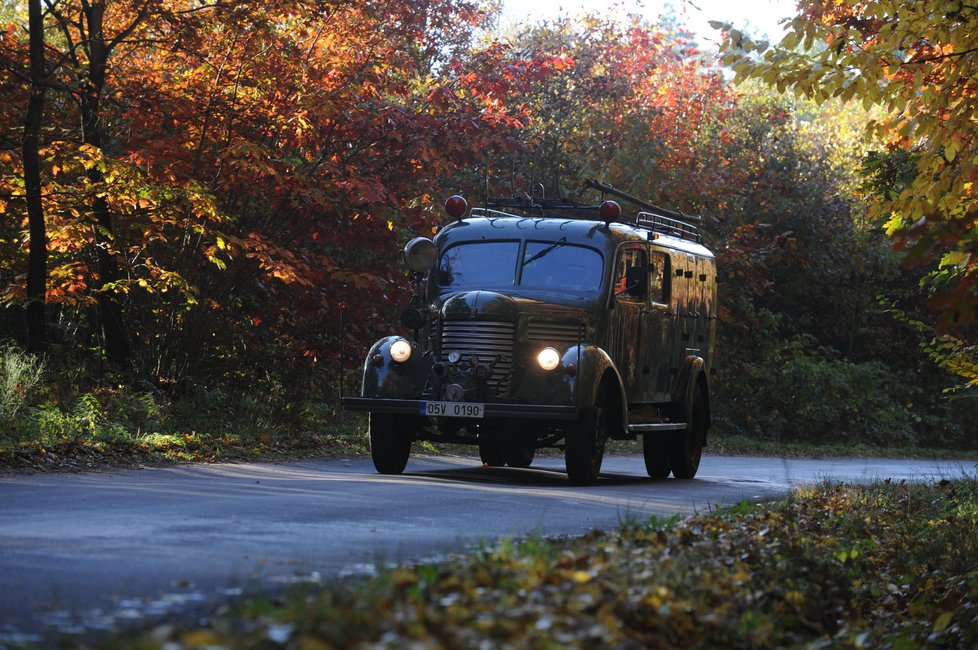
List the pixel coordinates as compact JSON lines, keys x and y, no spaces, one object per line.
{"x":659,"y":278}
{"x":630,"y":272}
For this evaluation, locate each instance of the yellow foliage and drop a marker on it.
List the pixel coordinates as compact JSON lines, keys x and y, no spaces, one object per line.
{"x":914,"y":63}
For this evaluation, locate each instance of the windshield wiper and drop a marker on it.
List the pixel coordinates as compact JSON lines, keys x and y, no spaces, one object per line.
{"x":533,"y":258}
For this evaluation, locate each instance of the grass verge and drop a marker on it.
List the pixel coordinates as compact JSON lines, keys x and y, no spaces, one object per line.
{"x":883,"y":565}
{"x":113,"y":427}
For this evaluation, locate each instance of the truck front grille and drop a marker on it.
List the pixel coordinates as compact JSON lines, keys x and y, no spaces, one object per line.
{"x":555,"y":334}
{"x":488,"y":340}
{"x":433,"y":334}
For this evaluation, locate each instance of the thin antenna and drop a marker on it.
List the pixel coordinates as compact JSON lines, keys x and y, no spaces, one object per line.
{"x":342,"y":307}
{"x":651,"y":207}
{"x":512,"y":179}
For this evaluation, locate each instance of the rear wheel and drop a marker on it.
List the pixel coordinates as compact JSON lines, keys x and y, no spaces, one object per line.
{"x":687,"y":447}
{"x":584,"y":443}
{"x":388,"y":450}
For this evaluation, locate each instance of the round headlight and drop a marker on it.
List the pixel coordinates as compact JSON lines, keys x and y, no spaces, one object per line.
{"x":400,"y":350}
{"x":548,"y":358}
{"x":420,"y":254}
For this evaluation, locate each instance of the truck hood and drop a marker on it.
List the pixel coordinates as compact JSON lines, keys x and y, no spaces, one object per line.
{"x":492,"y":305}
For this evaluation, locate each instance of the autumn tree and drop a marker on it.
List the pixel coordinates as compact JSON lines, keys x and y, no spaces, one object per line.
{"x":89,"y":41}
{"x":243,"y":169}
{"x":302,"y":138}
{"x":916,"y":61}
{"x":619,"y":101}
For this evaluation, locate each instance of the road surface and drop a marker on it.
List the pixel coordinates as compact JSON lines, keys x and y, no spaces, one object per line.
{"x":83,"y":552}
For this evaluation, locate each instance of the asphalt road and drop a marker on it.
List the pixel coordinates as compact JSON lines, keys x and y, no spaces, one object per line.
{"x":93,"y":551}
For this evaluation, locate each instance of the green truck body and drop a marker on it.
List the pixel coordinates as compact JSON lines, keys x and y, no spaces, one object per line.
{"x":532,"y":331}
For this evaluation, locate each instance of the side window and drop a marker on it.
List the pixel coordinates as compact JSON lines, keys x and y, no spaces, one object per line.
{"x":659,"y":277}
{"x":629,"y":274}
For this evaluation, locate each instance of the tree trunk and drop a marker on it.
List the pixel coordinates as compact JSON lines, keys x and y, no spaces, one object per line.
{"x":114,"y":339}
{"x":37,"y":271}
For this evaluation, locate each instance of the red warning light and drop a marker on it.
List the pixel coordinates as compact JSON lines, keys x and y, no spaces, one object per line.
{"x":456,"y":206}
{"x":609,"y":211}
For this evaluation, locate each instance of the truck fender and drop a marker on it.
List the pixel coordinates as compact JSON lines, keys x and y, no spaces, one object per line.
{"x":691,"y":374}
{"x":391,"y":379}
{"x":596,"y":371}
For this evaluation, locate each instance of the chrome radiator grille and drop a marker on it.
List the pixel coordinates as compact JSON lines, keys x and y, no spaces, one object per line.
{"x":555,"y":334}
{"x":433,"y":333}
{"x":488,"y":340}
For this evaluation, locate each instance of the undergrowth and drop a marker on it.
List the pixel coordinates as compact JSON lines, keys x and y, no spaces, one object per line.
{"x":50,"y":419}
{"x":65,"y":414}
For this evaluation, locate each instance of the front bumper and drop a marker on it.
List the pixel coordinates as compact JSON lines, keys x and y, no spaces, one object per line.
{"x":491,"y":410}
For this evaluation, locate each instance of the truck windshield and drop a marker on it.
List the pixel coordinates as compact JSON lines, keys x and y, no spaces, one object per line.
{"x":557,"y":266}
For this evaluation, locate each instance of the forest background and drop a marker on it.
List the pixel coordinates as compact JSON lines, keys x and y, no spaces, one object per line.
{"x":203,"y":205}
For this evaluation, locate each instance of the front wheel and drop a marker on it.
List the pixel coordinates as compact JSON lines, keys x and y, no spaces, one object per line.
{"x":521,"y":457}
{"x":584,"y":444}
{"x":388,"y":450}
{"x":492,"y":455}
{"x":655,"y":448}
{"x":687,"y":447}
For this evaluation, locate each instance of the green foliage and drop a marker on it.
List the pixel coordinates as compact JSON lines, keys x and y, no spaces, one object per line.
{"x":957,"y":356}
{"x":800,"y":394}
{"x":815,"y":396}
{"x":664,"y":523}
{"x":797,"y":262}
{"x":915,"y":62}
{"x":20,"y":375}
{"x":114,"y":423}
{"x":883,"y":565}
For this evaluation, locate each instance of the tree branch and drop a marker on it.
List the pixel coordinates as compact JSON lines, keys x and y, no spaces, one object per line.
{"x":941,"y":57}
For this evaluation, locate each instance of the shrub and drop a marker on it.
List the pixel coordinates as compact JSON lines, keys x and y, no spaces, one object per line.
{"x":20,"y":375}
{"x":802,"y":396}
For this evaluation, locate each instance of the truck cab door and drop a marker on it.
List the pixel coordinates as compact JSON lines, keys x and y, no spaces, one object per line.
{"x":628,"y":303}
{"x":657,"y":330}
{"x":680,"y":323}
{"x":690,"y":308}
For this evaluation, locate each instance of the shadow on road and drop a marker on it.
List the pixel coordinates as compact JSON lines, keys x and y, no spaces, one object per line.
{"x":532,"y":477}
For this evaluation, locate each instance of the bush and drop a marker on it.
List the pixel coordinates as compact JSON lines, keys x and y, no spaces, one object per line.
{"x":802,"y":396}
{"x":20,"y":375}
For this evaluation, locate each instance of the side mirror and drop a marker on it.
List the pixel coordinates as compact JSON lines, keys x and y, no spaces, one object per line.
{"x":412,"y":319}
{"x":420,"y":254}
{"x":636,"y":282}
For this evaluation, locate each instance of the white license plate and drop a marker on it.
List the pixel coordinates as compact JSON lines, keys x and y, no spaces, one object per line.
{"x":452,"y":409}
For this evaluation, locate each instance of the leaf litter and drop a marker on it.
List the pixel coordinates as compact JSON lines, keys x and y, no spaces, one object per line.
{"x":882,"y":565}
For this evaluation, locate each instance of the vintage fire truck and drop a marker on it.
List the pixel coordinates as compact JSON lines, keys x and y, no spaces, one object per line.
{"x":549,"y":324}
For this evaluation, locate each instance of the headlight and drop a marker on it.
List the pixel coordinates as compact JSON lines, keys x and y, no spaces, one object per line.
{"x":548,"y":358}
{"x":400,"y":350}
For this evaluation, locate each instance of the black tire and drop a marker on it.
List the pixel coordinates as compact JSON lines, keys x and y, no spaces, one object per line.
{"x":388,"y":450}
{"x":492,"y":455}
{"x":655,"y":448}
{"x":687,"y":447}
{"x":584,"y":443}
{"x":521,"y":457}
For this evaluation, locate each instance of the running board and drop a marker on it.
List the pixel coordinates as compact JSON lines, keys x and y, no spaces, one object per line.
{"x":658,"y":426}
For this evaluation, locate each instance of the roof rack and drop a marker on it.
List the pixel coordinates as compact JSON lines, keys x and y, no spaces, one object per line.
{"x":537,"y":208}
{"x":669,"y":226}
{"x":652,"y":218}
